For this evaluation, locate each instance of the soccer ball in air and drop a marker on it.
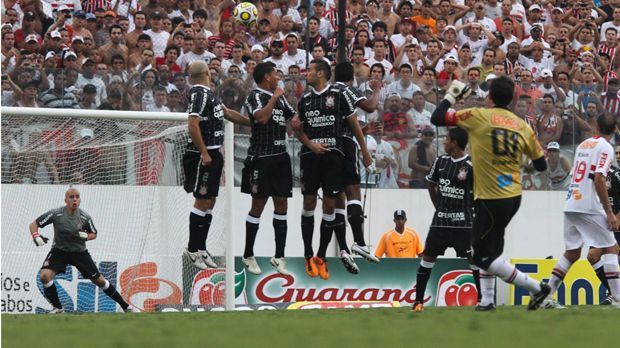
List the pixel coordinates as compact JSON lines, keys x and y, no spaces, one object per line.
{"x":245,"y":13}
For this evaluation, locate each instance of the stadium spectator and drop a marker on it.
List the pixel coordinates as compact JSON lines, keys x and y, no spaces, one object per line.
{"x":548,"y":122}
{"x":401,"y":241}
{"x":421,"y":157}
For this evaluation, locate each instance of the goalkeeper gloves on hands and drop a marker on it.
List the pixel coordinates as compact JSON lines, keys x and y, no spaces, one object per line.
{"x":83,"y":235}
{"x":457,"y":91}
{"x":39,"y":240}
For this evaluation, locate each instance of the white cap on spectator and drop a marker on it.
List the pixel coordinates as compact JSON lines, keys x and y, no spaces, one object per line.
{"x":63,"y":8}
{"x":86,"y":132}
{"x":534,"y":7}
{"x":70,"y":54}
{"x":257,"y":48}
{"x":490,"y":77}
{"x":55,"y":34}
{"x":8,"y":25}
{"x":78,"y":38}
{"x":554,"y":145}
{"x":557,"y":9}
{"x":546,"y":73}
{"x":50,"y":54}
{"x":587,"y":52}
{"x":449,"y":27}
{"x":451,"y":57}
{"x":32,"y":37}
{"x":293,"y":34}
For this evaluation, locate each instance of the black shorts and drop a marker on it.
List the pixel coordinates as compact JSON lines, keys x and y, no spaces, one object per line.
{"x":351,"y":170}
{"x":322,"y":171}
{"x":203,"y":181}
{"x":57,"y":260}
{"x":441,"y":238}
{"x":269,"y":176}
{"x":490,"y":221}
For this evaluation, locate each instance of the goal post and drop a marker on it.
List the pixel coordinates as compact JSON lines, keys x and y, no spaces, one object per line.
{"x":129,"y":163}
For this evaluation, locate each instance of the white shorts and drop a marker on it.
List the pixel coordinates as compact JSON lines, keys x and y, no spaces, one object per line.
{"x":588,"y":229}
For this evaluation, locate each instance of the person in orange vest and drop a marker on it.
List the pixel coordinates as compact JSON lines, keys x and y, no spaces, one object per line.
{"x":401,"y":241}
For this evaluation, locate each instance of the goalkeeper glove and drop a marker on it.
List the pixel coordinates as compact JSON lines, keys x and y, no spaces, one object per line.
{"x":457,"y":91}
{"x":38,"y":239}
{"x":83,"y":235}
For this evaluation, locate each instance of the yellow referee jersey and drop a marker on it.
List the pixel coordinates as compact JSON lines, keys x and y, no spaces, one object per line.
{"x":394,"y":244}
{"x":498,"y":141}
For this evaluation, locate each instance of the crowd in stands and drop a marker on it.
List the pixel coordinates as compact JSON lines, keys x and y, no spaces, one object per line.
{"x":133,"y":54}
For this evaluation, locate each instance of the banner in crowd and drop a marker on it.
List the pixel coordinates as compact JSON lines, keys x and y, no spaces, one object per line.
{"x":580,"y":286}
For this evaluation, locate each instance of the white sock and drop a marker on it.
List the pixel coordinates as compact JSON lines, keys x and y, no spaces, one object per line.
{"x":487,"y":288}
{"x":558,"y":274}
{"x":612,"y":273}
{"x":510,"y":274}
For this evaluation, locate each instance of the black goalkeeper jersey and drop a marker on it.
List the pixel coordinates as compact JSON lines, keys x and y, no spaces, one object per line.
{"x":202,"y":103}
{"x":353,"y":96}
{"x":323,"y":115}
{"x":613,"y":188}
{"x":268,"y":139}
{"x":455,"y":183}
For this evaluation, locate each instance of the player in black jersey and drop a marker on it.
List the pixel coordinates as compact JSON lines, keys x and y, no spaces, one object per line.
{"x":352,"y":193}
{"x":451,"y":185}
{"x":322,"y":114}
{"x":202,"y":161}
{"x":267,"y":172}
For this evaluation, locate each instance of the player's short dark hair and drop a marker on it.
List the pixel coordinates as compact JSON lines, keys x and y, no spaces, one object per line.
{"x":606,"y":124}
{"x":502,"y":90}
{"x":344,"y":72}
{"x":261,"y":70}
{"x":321,"y":65}
{"x":115,"y":26}
{"x":460,"y":136}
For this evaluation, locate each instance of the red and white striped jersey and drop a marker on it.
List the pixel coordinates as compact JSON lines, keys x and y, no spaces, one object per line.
{"x":610,"y":51}
{"x":611,"y":104}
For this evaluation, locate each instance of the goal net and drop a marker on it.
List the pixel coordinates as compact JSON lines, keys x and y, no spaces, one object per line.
{"x":128,"y":171}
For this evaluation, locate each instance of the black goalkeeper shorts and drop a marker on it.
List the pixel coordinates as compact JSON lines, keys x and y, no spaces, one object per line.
{"x":57,"y":260}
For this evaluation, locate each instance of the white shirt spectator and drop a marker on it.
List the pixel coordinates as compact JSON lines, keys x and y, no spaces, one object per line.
{"x":404,"y":92}
{"x":281,"y":64}
{"x":299,"y":59}
{"x":606,"y":26}
{"x":291,"y":12}
{"x":177,"y":13}
{"x":537,"y":67}
{"x":189,"y":57}
{"x":155,"y":108}
{"x":421,"y":119}
{"x":160,"y":40}
{"x":227,"y":63}
{"x":386,"y":64}
{"x":95,"y":81}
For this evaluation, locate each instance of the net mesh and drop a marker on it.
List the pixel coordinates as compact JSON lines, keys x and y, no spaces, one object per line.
{"x":129,"y":175}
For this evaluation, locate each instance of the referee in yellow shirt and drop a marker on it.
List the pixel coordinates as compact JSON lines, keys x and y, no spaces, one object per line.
{"x":499,"y":140}
{"x":401,"y":241}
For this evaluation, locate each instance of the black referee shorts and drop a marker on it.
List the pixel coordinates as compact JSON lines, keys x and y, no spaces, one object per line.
{"x":490,"y":221}
{"x":269,"y":176}
{"x":203,"y":182}
{"x":57,"y":260}
{"x":351,"y":170}
{"x":322,"y":171}
{"x":441,"y":238}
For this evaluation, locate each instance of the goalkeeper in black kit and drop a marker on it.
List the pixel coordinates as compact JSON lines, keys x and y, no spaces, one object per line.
{"x":72,"y":228}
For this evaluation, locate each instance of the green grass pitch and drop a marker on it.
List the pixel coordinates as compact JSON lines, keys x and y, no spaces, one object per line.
{"x":585,"y":326}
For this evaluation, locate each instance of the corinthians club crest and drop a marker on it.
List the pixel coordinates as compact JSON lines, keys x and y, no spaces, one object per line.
{"x":462,"y":174}
{"x":329,"y":102}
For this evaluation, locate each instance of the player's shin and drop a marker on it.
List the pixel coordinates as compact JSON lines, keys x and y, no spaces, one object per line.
{"x":204,"y":230}
{"x":251,"y":229}
{"x":307,"y":230}
{"x":355,"y":215}
{"x":475,"y":271}
{"x":487,"y":288}
{"x":51,"y":294}
{"x":196,"y":222}
{"x":612,"y":273}
{"x":110,"y":290}
{"x":424,"y":273}
{"x":559,"y":272}
{"x":327,"y":228}
{"x":280,"y":227}
{"x":340,"y":229}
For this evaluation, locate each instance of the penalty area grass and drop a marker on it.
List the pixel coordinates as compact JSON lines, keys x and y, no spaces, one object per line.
{"x":508,"y":326}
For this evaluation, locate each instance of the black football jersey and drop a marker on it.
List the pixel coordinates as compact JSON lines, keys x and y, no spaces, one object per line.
{"x":613,"y":188}
{"x":455,"y":183}
{"x":353,"y":96}
{"x":323,"y":114}
{"x":268,"y":139}
{"x":204,"y":104}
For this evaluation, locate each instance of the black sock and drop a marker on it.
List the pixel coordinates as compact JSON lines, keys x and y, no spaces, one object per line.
{"x":424,"y":273}
{"x":52,"y":295}
{"x":111,"y":291}
{"x":279,"y":227}
{"x":195,"y":236}
{"x":251,"y":229}
{"x":476,"y":274}
{"x":340,"y":229}
{"x":355,"y":216}
{"x":600,"y":273}
{"x":204,"y":231}
{"x":327,"y":228}
{"x":307,"y":230}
